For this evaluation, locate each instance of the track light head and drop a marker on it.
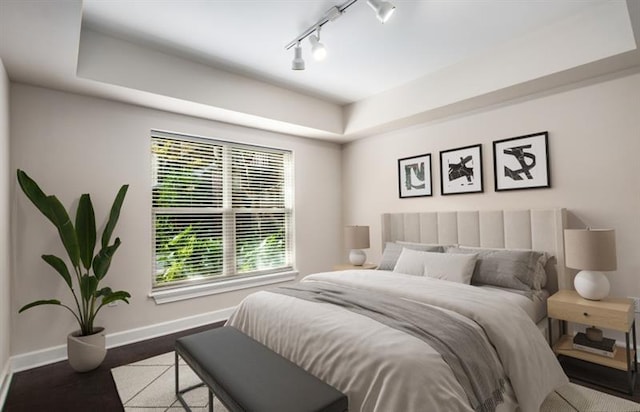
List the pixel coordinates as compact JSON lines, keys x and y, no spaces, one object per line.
{"x":317,"y":49}
{"x":383,"y":9}
{"x":298,"y":61}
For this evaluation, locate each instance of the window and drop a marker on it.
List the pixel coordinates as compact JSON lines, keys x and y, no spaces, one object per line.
{"x":220,"y":210}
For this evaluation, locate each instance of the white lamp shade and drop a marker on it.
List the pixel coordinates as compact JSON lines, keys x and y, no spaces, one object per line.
{"x":356,"y":237}
{"x":589,"y":249}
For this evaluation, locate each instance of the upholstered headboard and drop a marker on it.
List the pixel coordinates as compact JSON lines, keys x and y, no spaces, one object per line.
{"x":541,"y":230}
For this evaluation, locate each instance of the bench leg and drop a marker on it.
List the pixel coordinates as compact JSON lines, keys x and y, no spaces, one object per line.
{"x":177,"y":373}
{"x":210,"y":401}
{"x":185,"y":390}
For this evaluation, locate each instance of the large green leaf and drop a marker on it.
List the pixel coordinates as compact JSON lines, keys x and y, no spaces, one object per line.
{"x":88,"y":286}
{"x":35,"y":194}
{"x":65,"y":229}
{"x":118,"y":295}
{"x":59,"y":265}
{"x":102,"y":261}
{"x":103,"y":292}
{"x":40,"y":302}
{"x":114,"y":215}
{"x":86,"y":230}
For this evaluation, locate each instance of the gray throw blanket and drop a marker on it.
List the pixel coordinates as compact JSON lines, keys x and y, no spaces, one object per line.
{"x":460,"y":345}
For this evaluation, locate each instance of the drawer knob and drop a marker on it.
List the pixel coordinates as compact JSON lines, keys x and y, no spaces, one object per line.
{"x":585,"y":314}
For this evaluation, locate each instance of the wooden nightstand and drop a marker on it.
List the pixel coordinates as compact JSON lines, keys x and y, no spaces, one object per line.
{"x":608,"y":313}
{"x":348,"y":266}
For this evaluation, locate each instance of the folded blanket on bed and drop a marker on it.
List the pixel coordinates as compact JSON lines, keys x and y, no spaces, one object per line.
{"x":461,"y":346}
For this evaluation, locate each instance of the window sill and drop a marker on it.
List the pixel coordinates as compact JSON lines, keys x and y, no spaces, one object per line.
{"x":205,"y":289}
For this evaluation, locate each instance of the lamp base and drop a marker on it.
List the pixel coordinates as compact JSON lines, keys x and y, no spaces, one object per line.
{"x":591,"y":285}
{"x":357,"y":257}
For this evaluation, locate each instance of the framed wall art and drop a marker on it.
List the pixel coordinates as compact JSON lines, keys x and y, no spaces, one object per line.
{"x":461,"y":170}
{"x":522,"y":162}
{"x":414,"y":176}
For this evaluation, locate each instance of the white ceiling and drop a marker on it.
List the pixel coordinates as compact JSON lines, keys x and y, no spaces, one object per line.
{"x":226,"y":61}
{"x":364,"y":58}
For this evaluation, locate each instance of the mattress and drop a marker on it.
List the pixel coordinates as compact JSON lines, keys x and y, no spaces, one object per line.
{"x":536,"y":307}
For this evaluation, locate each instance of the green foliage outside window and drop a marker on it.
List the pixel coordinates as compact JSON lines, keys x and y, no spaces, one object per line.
{"x":189,"y":217}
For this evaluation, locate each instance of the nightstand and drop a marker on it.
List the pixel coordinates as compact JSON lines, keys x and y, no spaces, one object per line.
{"x":348,"y":266}
{"x":608,"y":313}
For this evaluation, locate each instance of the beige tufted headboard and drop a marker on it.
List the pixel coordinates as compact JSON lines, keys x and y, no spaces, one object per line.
{"x":540,"y":229}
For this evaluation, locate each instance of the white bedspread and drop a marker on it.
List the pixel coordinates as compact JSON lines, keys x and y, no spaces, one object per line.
{"x":385,"y":370}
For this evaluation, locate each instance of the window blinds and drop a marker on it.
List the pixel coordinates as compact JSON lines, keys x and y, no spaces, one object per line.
{"x":220,"y":209}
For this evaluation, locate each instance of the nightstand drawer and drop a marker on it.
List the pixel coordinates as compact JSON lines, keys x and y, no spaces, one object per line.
{"x":604,"y":316}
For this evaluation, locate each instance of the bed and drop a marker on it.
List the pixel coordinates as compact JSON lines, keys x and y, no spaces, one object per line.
{"x":437,"y":345}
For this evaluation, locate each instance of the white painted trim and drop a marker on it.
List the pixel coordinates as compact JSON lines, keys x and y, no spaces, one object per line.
{"x":37,"y":358}
{"x":53,"y":354}
{"x":165,"y":328}
{"x":205,"y":289}
{"x":5,"y":382}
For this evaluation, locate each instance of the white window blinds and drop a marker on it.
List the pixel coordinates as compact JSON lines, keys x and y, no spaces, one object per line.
{"x":220,"y":209}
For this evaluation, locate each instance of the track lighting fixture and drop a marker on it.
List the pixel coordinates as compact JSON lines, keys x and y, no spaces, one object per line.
{"x":317,"y":49}
{"x":298,"y":61}
{"x":383,"y":9}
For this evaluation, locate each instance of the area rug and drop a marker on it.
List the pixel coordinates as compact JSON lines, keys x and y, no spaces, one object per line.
{"x":149,"y":385}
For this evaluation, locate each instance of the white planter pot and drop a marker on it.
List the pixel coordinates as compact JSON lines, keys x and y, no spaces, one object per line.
{"x":86,"y":353}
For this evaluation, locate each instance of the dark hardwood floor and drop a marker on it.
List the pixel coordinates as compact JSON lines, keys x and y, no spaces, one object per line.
{"x":600,"y":378}
{"x":57,"y":387}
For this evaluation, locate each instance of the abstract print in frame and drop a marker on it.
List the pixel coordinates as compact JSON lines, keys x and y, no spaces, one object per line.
{"x":414,"y":176}
{"x":522,"y":162}
{"x":461,"y":170}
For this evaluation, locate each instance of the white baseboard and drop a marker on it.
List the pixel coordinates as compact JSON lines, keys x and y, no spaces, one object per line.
{"x":53,"y":354}
{"x":5,"y":382}
{"x":160,"y":329}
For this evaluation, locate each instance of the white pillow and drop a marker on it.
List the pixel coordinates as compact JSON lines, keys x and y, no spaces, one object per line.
{"x":410,"y":262}
{"x":450,"y":266}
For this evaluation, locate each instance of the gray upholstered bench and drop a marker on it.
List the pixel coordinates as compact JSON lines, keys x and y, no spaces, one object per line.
{"x":247,"y":376}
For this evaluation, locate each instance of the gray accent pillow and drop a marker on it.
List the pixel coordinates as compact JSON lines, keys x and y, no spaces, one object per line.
{"x":514,"y":269}
{"x":393,"y":250}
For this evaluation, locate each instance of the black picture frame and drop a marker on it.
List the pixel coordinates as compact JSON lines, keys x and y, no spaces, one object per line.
{"x":465,"y":176}
{"x":414,"y":176}
{"x":522,"y":162}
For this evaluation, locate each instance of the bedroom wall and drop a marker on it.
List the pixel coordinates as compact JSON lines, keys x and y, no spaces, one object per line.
{"x":72,"y":144}
{"x":594,"y":140}
{"x":5,"y":229}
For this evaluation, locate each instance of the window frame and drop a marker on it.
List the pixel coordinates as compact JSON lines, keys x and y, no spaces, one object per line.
{"x":230,"y":280}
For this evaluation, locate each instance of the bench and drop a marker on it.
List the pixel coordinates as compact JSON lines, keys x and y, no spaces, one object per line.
{"x":245,"y":375}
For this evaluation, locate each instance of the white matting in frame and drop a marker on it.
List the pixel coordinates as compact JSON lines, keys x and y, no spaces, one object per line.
{"x":461,"y":170}
{"x":522,"y":162}
{"x":414,"y":176}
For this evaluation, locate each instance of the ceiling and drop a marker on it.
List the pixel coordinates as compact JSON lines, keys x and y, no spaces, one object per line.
{"x":365,"y":57}
{"x":226,"y":60}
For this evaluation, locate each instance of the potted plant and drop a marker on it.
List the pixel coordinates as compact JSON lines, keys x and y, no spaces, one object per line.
{"x":86,"y":346}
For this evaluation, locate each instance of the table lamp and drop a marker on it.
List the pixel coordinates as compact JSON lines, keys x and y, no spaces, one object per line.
{"x":356,"y":238}
{"x":591,"y":251}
